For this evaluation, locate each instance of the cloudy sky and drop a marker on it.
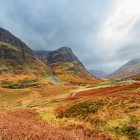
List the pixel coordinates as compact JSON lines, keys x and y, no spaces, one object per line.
{"x":104,"y":34}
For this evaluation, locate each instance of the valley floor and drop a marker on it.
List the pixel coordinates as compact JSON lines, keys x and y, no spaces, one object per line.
{"x":106,"y":111}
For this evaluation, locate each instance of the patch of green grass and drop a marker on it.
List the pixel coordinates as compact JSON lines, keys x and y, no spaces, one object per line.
{"x":122,"y":127}
{"x":132,"y":132}
{"x":82,"y":109}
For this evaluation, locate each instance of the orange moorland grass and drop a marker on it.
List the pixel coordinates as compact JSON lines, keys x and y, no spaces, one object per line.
{"x":15,"y":77}
{"x":114,"y":110}
{"x":34,"y":96}
{"x":98,"y":108}
{"x":109,"y":91}
{"x":81,"y":80}
{"x":24,"y":124}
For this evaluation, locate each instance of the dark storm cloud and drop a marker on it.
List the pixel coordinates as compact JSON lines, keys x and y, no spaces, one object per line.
{"x":50,"y":24}
{"x":54,"y":22}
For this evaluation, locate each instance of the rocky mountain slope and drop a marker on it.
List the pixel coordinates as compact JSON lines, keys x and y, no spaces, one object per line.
{"x":16,"y":57}
{"x":128,"y":70}
{"x":65,"y":65}
{"x":98,"y":73}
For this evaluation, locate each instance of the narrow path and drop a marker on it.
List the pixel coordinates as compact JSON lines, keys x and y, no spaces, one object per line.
{"x":97,"y":87}
{"x":82,"y":89}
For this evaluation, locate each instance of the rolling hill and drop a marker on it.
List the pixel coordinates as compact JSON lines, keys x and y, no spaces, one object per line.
{"x":128,"y":70}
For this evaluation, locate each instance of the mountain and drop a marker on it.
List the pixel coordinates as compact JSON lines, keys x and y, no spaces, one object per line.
{"x":135,"y":77}
{"x":17,"y":58}
{"x":128,"y":70}
{"x":98,"y":73}
{"x":65,"y":66}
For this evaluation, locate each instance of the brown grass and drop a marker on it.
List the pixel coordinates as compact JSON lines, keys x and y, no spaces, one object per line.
{"x":24,"y":124}
{"x":114,"y":110}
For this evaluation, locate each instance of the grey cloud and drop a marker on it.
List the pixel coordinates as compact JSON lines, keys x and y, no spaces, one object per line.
{"x":50,"y":24}
{"x":130,"y":51}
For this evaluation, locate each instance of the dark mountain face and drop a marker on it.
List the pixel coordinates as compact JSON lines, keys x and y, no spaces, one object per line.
{"x":11,"y":47}
{"x":42,"y":55}
{"x":65,"y":65}
{"x":61,"y":55}
{"x":129,"y":69}
{"x":98,"y":73}
{"x":16,"y":56}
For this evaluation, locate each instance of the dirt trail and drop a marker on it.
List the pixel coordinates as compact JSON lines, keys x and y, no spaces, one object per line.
{"x":80,"y":89}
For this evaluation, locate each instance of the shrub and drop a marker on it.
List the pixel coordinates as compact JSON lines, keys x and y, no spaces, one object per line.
{"x":82,"y":109}
{"x":132,"y":132}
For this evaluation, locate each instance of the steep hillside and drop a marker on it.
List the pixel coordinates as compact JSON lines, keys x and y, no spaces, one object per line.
{"x":66,"y":66}
{"x":98,"y":73}
{"x":17,"y":58}
{"x":135,"y":77}
{"x":128,"y":70}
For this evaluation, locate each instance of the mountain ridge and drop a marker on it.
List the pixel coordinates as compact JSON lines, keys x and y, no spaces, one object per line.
{"x":65,"y":65}
{"x":61,"y":64}
{"x":127,"y":70}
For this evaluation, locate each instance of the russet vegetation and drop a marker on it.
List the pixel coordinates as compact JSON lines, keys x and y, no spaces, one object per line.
{"x":51,"y":96}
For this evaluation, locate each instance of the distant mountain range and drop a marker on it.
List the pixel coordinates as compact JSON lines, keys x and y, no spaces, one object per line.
{"x":98,"y":73}
{"x":128,"y":70}
{"x":17,"y":58}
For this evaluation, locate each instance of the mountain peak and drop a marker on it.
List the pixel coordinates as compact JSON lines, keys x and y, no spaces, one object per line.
{"x":2,"y":30}
{"x":5,"y":33}
{"x":61,"y":54}
{"x":65,"y":48}
{"x":65,"y":66}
